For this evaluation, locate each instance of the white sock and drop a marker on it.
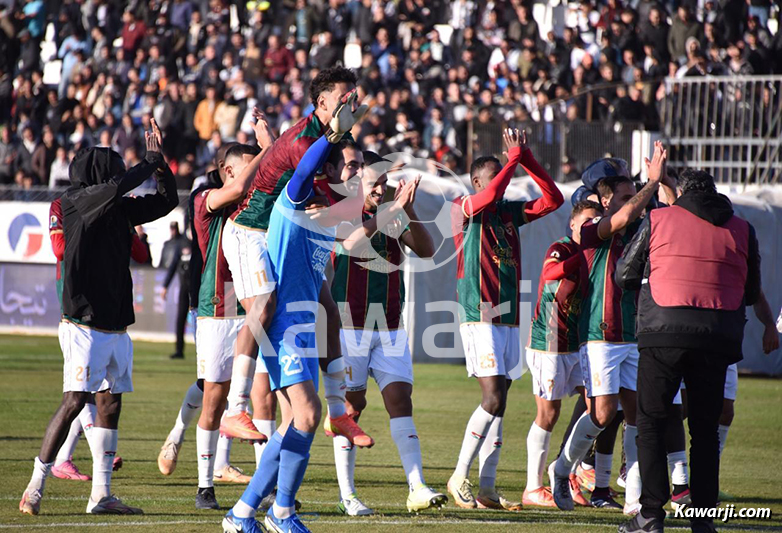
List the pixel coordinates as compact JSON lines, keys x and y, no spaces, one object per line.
{"x":489,"y":455}
{"x":242,"y":510}
{"x":586,"y":466}
{"x":223,"y":455}
{"x":603,"y":462}
{"x":538,"y":441}
{"x":334,"y":387}
{"x":66,"y":450}
{"x":633,"y":487}
{"x":190,"y":407}
{"x":241,"y":384}
{"x":282,"y":512}
{"x":267,"y":427}
{"x":723,"y":435}
{"x":474,"y":436}
{"x":103,"y":451}
{"x":87,"y":419}
{"x":40,"y":473}
{"x":345,"y":461}
{"x":409,"y":447}
{"x":677,"y":466}
{"x":581,"y":438}
{"x":206,"y":446}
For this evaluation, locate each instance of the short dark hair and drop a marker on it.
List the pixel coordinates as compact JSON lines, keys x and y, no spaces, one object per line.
{"x":240,"y":150}
{"x":327,"y":78}
{"x":582,"y":206}
{"x":223,"y":151}
{"x":696,"y":180}
{"x":371,"y":158}
{"x":481,"y":163}
{"x":336,"y":151}
{"x":607,"y":186}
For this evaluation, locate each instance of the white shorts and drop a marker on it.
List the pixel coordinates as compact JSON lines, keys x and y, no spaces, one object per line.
{"x":95,"y":361}
{"x":607,"y":367}
{"x":492,"y":350}
{"x":554,"y":375}
{"x":731,"y":383}
{"x":384,"y":355}
{"x":215,"y":342}
{"x":246,"y":253}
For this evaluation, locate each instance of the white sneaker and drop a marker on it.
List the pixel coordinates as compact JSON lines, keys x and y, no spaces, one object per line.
{"x":560,"y":489}
{"x":111,"y":505}
{"x":423,"y":498}
{"x":354,"y":507}
{"x":461,"y":491}
{"x":167,"y":458}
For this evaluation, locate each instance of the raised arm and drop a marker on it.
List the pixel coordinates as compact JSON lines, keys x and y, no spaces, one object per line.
{"x":552,"y":197}
{"x":635,"y":205}
{"x":516,"y":144}
{"x":232,"y":192}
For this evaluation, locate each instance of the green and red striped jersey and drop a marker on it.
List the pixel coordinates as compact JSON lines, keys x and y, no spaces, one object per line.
{"x":275,"y":171}
{"x":359,"y":282}
{"x":216,"y":297}
{"x":486,"y":236}
{"x":488,"y":262}
{"x":608,"y":312}
{"x":555,"y":323}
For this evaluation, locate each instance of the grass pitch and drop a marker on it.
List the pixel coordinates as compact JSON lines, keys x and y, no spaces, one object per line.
{"x":30,"y":390}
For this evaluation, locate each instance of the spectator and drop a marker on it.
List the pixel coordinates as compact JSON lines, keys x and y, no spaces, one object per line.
{"x":683,"y":27}
{"x":132,"y":32}
{"x":204,"y":118}
{"x":58,"y":172}
{"x":175,"y":259}
{"x":8,"y":150}
{"x":277,"y":60}
{"x":43,"y":156}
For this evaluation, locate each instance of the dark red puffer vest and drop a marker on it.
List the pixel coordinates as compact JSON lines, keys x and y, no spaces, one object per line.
{"x":705,"y":270}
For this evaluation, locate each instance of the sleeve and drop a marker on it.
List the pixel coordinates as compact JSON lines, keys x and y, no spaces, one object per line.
{"x":153,"y":206}
{"x":475,"y":203}
{"x":559,"y":263}
{"x":589,"y":235}
{"x":300,"y":186}
{"x":752,"y":287}
{"x":632,"y":265}
{"x":552,"y":197}
{"x":138,"y":250}
{"x":56,"y":234}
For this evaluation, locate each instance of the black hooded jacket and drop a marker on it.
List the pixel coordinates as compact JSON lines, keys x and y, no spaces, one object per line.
{"x":98,"y":222}
{"x":716,"y":330}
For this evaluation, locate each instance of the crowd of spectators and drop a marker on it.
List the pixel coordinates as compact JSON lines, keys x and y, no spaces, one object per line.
{"x":200,"y":66}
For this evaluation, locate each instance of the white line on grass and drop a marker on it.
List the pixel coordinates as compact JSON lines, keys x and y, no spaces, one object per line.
{"x":435,"y":522}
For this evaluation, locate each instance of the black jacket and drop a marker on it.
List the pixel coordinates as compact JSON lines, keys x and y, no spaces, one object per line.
{"x":718,"y":331}
{"x":98,"y":221}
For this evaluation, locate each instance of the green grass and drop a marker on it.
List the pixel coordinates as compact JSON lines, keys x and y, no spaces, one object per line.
{"x":30,"y":385}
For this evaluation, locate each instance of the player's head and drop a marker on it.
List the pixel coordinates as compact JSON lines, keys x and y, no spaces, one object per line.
{"x":329,"y":86}
{"x":375,"y":179}
{"x":692,"y":180}
{"x":582,"y":211}
{"x":483,"y":170}
{"x":344,"y":162}
{"x":614,"y":192}
{"x":237,"y":158}
{"x":220,"y":158}
{"x":93,"y":166}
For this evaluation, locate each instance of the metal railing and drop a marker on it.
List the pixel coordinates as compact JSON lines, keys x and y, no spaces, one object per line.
{"x":730,"y":126}
{"x":581,"y":142}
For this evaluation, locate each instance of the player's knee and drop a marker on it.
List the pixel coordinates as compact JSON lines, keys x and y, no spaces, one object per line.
{"x":308,"y":418}
{"x":603,"y":415}
{"x":548,"y":416}
{"x":72,"y":403}
{"x":494,"y":404}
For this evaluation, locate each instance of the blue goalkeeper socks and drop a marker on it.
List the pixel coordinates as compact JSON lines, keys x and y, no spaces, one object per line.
{"x":265,"y":476}
{"x":294,"y":457}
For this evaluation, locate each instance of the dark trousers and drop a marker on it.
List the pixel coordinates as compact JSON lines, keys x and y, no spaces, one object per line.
{"x":183,"y":306}
{"x":660,"y":371}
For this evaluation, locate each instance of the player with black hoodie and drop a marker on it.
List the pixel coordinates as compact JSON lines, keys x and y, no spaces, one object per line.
{"x":98,"y":221}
